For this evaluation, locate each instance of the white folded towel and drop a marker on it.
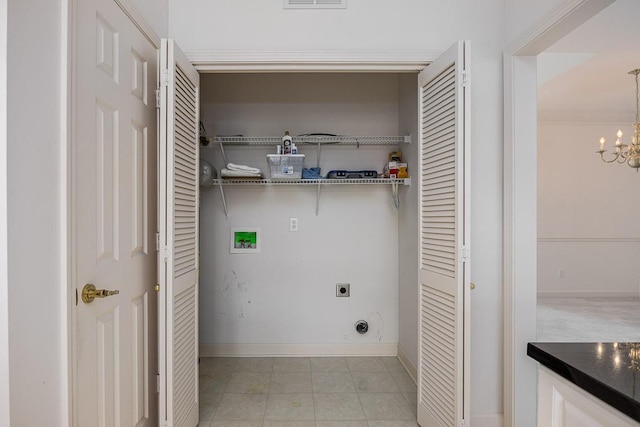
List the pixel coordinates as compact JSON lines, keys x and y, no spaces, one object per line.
{"x":242,"y":168}
{"x":227,"y":173}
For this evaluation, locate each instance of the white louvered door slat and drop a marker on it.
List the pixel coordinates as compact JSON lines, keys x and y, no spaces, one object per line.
{"x":178,"y":219}
{"x":443,"y":378}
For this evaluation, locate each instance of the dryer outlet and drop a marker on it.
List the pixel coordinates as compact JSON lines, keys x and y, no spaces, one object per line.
{"x":343,"y":290}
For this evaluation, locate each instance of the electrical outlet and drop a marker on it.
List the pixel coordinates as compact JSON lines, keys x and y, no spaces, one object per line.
{"x":343,"y":290}
{"x":293,"y":224}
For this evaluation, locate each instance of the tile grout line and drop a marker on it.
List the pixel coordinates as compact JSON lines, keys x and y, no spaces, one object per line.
{"x":358,"y":394}
{"x":266,"y":403}
{"x":313,"y":394}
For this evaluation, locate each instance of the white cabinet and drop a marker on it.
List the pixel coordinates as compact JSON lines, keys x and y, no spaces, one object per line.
{"x":563,"y":404}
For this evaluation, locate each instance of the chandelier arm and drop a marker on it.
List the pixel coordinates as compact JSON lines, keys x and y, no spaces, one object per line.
{"x":608,"y":161}
{"x":637,"y":97}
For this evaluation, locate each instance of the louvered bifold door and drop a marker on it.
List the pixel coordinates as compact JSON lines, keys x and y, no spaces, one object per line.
{"x":178,"y":255}
{"x":443,"y":379}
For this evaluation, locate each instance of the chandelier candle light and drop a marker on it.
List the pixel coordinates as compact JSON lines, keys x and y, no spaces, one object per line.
{"x":626,"y":153}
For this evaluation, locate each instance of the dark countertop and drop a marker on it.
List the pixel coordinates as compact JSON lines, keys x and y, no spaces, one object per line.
{"x":605,"y":370}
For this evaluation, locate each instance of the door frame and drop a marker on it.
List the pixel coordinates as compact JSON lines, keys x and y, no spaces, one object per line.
{"x":4,"y":238}
{"x":312,"y":61}
{"x":519,"y":203}
{"x":68,"y":163}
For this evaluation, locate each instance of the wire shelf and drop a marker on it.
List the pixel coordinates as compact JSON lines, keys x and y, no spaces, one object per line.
{"x":312,"y":139}
{"x":318,"y":183}
{"x":319,"y":141}
{"x":312,"y":182}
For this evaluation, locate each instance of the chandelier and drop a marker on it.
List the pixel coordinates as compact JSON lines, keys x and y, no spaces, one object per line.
{"x":629,"y":153}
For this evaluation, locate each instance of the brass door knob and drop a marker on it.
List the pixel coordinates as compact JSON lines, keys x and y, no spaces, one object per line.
{"x":89,"y":293}
{"x":473,"y":286}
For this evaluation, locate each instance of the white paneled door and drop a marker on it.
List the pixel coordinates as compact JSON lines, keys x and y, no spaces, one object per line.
{"x":443,"y":377}
{"x":114,"y":179}
{"x":178,"y":225}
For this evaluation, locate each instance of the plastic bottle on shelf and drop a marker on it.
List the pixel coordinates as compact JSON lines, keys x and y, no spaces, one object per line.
{"x":286,"y":143}
{"x":294,"y":149}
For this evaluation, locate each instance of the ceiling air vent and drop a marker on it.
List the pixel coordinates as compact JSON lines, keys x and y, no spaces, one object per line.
{"x":315,"y":4}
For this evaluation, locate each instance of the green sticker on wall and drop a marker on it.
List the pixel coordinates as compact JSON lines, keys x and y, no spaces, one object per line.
{"x":245,"y":239}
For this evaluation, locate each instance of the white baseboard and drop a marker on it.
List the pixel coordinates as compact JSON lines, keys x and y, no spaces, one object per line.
{"x":588,"y":294}
{"x":298,"y":350}
{"x":408,"y":364}
{"x":486,"y":420}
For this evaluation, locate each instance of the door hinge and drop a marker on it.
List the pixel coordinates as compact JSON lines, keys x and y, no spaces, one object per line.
{"x":157,"y":383}
{"x":157,"y":242}
{"x":157,"y":98}
{"x":164,"y":254}
{"x":464,"y":254}
{"x":164,"y":78}
{"x":465,"y":78}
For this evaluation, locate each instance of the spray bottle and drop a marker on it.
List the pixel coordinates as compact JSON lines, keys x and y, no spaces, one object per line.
{"x":286,"y":143}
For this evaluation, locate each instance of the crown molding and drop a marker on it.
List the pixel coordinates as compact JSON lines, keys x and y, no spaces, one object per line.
{"x":309,"y":61}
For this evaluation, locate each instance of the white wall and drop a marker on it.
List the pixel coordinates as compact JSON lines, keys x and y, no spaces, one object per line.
{"x":486,"y":211}
{"x":408,"y":25}
{"x":522,"y":15}
{"x":4,"y":279}
{"x":369,"y":25}
{"x":155,"y":13}
{"x":287,"y":293}
{"x":36,"y":205}
{"x":584,"y":227}
{"x":520,"y":240}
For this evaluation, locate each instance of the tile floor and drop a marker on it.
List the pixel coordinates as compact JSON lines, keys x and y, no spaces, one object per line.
{"x":588,"y":319}
{"x":306,"y":392}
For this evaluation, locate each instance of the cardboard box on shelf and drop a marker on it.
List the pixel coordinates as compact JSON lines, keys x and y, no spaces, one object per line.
{"x":395,"y":170}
